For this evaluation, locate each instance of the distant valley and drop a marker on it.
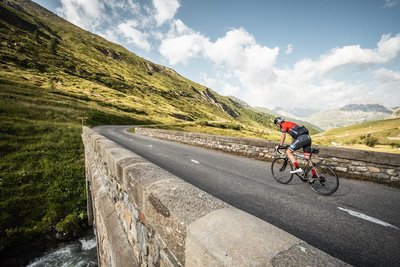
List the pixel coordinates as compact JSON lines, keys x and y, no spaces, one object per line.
{"x":341,"y":117}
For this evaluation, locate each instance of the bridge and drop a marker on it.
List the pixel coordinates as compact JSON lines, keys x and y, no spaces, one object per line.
{"x":146,"y":216}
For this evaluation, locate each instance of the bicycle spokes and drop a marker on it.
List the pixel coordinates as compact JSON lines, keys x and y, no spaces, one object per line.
{"x":326,"y":181}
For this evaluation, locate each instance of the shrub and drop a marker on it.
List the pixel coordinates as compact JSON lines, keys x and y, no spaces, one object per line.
{"x":69,"y":227}
{"x":395,"y":145}
{"x":371,"y":141}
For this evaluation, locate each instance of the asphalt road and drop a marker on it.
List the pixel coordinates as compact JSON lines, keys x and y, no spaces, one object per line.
{"x":359,"y":224}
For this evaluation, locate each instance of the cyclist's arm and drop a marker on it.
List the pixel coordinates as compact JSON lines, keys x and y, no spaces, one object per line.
{"x":283,"y":136}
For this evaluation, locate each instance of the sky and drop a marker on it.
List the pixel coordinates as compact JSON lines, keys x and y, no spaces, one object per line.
{"x":317,"y":54}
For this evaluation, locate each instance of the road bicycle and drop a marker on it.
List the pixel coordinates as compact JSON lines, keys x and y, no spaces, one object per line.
{"x":325,"y":183}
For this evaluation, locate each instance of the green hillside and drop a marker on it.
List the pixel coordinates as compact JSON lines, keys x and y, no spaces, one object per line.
{"x":383,"y":135}
{"x":53,"y":74}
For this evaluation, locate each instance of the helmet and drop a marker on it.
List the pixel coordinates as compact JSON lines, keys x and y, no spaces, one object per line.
{"x":278,"y":120}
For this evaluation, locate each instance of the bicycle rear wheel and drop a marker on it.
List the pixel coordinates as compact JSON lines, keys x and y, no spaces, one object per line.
{"x":280,"y":169}
{"x":327,"y":182}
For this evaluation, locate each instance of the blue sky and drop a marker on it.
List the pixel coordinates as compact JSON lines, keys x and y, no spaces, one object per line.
{"x":290,"y":53}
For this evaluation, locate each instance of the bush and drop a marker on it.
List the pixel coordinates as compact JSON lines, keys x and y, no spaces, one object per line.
{"x":69,"y":227}
{"x":371,"y":141}
{"x":221,"y":125}
{"x":395,"y":145}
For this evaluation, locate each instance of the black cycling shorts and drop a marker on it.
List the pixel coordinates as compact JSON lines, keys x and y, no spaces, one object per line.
{"x":303,"y":141}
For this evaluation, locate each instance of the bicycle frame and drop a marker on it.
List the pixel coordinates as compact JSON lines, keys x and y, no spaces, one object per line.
{"x":309,"y":165}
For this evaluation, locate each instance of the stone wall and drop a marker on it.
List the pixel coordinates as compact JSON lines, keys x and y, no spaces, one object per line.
{"x":373,"y":166}
{"x":145,"y":216}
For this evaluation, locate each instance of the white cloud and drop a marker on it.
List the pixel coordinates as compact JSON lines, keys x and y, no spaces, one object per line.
{"x":308,"y":83}
{"x":386,"y":75}
{"x":307,"y":69}
{"x":221,"y":83}
{"x":108,"y":18}
{"x":87,"y":14}
{"x":165,"y":10}
{"x":240,"y":53}
{"x":181,"y":44}
{"x":128,"y":30}
{"x":237,"y":51}
{"x":289,"y":49}
{"x":391,"y":3}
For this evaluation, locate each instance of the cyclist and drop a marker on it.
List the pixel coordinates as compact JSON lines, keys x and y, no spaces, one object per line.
{"x":301,"y":139}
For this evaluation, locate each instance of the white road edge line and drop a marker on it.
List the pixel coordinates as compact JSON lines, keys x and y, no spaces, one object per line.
{"x":368,"y":218}
{"x":195,"y":161}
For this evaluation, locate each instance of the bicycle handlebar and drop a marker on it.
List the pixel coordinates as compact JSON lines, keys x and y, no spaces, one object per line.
{"x":281,"y":147}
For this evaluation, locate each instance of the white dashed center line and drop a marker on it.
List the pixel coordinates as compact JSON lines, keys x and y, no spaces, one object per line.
{"x":195,"y":161}
{"x":368,"y":218}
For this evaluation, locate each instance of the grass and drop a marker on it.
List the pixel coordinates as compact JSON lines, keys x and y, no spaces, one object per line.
{"x":382,"y":136}
{"x":41,"y":157}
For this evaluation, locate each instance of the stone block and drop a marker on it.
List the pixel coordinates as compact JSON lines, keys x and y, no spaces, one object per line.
{"x":226,"y":237}
{"x":139,"y":176}
{"x":382,"y":176}
{"x":114,"y":154}
{"x":305,"y":255}
{"x":121,"y":164}
{"x":172,"y":205}
{"x":341,"y":169}
{"x":358,"y":163}
{"x":361,"y":169}
{"x":373,"y":169}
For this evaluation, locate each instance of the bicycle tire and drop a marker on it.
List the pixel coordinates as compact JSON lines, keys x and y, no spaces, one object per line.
{"x":280,"y":169}
{"x":327,"y":182}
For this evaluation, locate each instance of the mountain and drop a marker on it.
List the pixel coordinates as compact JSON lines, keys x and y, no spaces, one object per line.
{"x":396,"y":113}
{"x":283,"y":112}
{"x":239,"y":101}
{"x":366,"y":108}
{"x":341,"y":117}
{"x":349,"y":115}
{"x":295,"y":112}
{"x":267,"y":111}
{"x":54,"y":77}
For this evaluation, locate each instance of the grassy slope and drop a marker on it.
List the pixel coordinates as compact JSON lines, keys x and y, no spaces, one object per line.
{"x":385,"y":134}
{"x":41,"y":158}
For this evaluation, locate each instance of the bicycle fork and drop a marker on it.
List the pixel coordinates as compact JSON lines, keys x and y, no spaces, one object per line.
{"x":285,"y":163}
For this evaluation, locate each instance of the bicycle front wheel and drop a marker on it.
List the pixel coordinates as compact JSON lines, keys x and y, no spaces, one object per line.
{"x":326,"y":182}
{"x":280,"y":169}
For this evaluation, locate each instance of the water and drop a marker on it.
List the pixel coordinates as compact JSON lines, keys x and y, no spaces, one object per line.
{"x":81,"y":253}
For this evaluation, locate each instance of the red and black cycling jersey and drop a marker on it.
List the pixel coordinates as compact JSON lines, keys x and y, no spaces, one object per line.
{"x":286,"y":126}
{"x":293,"y":129}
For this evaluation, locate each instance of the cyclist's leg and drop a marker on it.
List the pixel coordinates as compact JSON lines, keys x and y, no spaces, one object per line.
{"x":293,"y":147}
{"x":307,"y":154}
{"x":306,"y":142}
